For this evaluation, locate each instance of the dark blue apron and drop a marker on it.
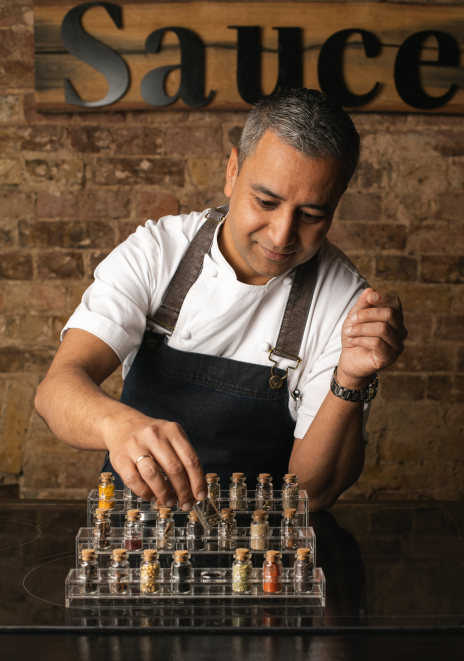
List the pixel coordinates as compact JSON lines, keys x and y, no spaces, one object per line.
{"x":233,"y":418}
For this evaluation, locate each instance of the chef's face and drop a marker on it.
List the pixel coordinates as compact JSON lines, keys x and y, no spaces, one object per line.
{"x":281,"y":207}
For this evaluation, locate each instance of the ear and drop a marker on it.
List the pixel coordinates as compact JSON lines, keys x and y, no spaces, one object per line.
{"x":231,"y":172}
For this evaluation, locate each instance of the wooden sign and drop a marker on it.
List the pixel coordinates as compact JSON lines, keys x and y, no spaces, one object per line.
{"x":226,"y":55}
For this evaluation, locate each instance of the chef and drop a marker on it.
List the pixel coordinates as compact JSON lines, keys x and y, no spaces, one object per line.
{"x":249,"y":342}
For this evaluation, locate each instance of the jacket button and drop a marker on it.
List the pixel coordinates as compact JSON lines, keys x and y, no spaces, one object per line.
{"x":288,"y":281}
{"x":185,"y":334}
{"x":266,"y":346}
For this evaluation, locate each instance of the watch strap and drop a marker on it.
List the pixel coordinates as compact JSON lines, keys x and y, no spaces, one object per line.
{"x":351,"y":395}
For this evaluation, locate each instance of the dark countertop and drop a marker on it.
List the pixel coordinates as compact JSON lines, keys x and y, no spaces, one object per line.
{"x":395,"y":588}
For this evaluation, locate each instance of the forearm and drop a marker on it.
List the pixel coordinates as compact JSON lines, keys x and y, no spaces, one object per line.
{"x":330,"y":457}
{"x":77,"y":410}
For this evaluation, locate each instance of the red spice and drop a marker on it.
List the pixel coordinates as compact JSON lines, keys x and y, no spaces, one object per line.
{"x":133,"y":544}
{"x":272,"y":578}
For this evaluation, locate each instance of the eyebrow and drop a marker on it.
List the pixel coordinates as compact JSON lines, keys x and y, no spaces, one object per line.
{"x":260,"y":188}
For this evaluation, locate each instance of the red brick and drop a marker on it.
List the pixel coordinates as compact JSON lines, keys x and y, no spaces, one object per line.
{"x":359,"y":206}
{"x":449,"y":143}
{"x":126,"y":229}
{"x":447,"y":239}
{"x":372,"y":174}
{"x":159,"y":171}
{"x":401,"y":387}
{"x":153,"y":206}
{"x":447,"y":389}
{"x":62,"y":205}
{"x":13,"y":43}
{"x":419,"y":326}
{"x":90,"y":139}
{"x":15,"y":14}
{"x":26,"y":297}
{"x":15,"y":204}
{"x":354,"y":236}
{"x":31,"y":138}
{"x":450,"y":328}
{"x":423,"y":298}
{"x":7,"y":235}
{"x":103,"y":203}
{"x":94,"y":259}
{"x":15,"y":266}
{"x":9,"y":108}
{"x":432,"y":357}
{"x":102,"y":117}
{"x":16,"y":74}
{"x":442,"y":268}
{"x":60,"y":265}
{"x":68,"y":171}
{"x":13,"y":359}
{"x":396,"y":268}
{"x":140,"y":140}
{"x":234,"y":135}
{"x":450,"y":206}
{"x":7,"y":43}
{"x":194,"y":140}
{"x":32,"y":116}
{"x":363,"y":263}
{"x":71,"y":234}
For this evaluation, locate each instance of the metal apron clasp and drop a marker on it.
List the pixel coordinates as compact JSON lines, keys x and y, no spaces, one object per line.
{"x":276,"y":381}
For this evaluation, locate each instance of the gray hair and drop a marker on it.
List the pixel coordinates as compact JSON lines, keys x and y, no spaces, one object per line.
{"x":307,"y":120}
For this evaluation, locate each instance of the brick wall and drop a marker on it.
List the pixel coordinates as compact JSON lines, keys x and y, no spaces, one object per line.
{"x":73,"y":186}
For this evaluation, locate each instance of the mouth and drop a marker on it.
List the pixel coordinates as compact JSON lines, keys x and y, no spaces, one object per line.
{"x":276,"y":256}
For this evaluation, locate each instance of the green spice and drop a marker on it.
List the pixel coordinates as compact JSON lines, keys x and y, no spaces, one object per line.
{"x":241,"y":577}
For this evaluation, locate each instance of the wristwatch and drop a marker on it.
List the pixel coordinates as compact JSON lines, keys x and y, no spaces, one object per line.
{"x":355,"y":395}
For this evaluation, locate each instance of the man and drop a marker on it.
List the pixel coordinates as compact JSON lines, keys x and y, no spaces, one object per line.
{"x":230,"y":326}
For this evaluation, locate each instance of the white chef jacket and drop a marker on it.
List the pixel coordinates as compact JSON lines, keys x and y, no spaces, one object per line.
{"x":220,"y":315}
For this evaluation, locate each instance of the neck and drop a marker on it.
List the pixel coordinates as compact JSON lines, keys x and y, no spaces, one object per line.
{"x":231,"y":254}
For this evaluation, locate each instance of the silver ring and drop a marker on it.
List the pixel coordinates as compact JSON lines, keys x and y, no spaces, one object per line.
{"x":144,"y":456}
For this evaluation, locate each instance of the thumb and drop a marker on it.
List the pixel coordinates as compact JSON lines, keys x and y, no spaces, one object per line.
{"x":362,"y":303}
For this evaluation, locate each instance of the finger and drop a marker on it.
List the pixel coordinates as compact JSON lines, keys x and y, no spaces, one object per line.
{"x":191,"y":463}
{"x":131,"y":477}
{"x":383,"y":354}
{"x":381,"y":299}
{"x":362,"y":302}
{"x":152,"y":475}
{"x":387,"y":315}
{"x":380,"y":329}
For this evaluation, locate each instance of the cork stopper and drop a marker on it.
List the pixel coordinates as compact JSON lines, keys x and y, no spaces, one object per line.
{"x":260,"y":515}
{"x":181,"y":556}
{"x":101,"y":513}
{"x":150,"y":554}
{"x":289,"y":477}
{"x":106,"y":476}
{"x":241,"y":554}
{"x":133,"y":514}
{"x":302,"y":553}
{"x":119,"y":554}
{"x":289,"y":512}
{"x":237,"y":477}
{"x":164,"y":512}
{"x":193,"y":516}
{"x":273,"y":556}
{"x":88,"y":554}
{"x":156,"y":505}
{"x":265,"y":477}
{"x":227,"y":513}
{"x":210,"y":477}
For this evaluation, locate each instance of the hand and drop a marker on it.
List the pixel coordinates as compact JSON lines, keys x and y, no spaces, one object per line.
{"x":172,"y":453}
{"x":372,"y":338}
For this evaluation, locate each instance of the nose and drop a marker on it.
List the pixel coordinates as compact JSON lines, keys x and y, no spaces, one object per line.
{"x":282,"y":230}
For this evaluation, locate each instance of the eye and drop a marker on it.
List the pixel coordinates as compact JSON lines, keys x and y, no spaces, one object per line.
{"x":266,"y":204}
{"x":309,"y":218}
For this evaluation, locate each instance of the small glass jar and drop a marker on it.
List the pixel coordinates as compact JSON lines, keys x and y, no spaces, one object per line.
{"x":259,"y":531}
{"x":119,"y":572}
{"x":238,"y":492}
{"x":102,"y":532}
{"x":273,"y":573}
{"x":290,"y":492}
{"x":150,"y":572}
{"x":106,"y":491}
{"x":289,"y":529}
{"x":242,"y":572}
{"x":87,"y":573}
{"x":227,"y":530}
{"x":130,"y":499}
{"x":214,"y":489}
{"x":303,"y":571}
{"x":133,"y":531}
{"x":165,"y":529}
{"x":195,"y":533}
{"x":181,"y":573}
{"x":264,"y":492}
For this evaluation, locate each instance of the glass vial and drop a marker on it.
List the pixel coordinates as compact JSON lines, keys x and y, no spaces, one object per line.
{"x":289,"y":530}
{"x":150,"y":572}
{"x":181,"y":573}
{"x":303,"y":571}
{"x":130,"y":499}
{"x":259,"y":531}
{"x":242,"y":572}
{"x":273,"y":573}
{"x":106,"y":491}
{"x":227,"y":530}
{"x":102,"y":530}
{"x":165,"y":529}
{"x":119,"y":572}
{"x":207,"y":513}
{"x":156,"y":505}
{"x":133,"y":531}
{"x":290,"y":492}
{"x":88,"y":572}
{"x":214,"y":489}
{"x":238,"y":492}
{"x":195,"y":533}
{"x":264,"y":492}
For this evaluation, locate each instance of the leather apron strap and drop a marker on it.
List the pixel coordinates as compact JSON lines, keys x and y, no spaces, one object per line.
{"x":298,"y":304}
